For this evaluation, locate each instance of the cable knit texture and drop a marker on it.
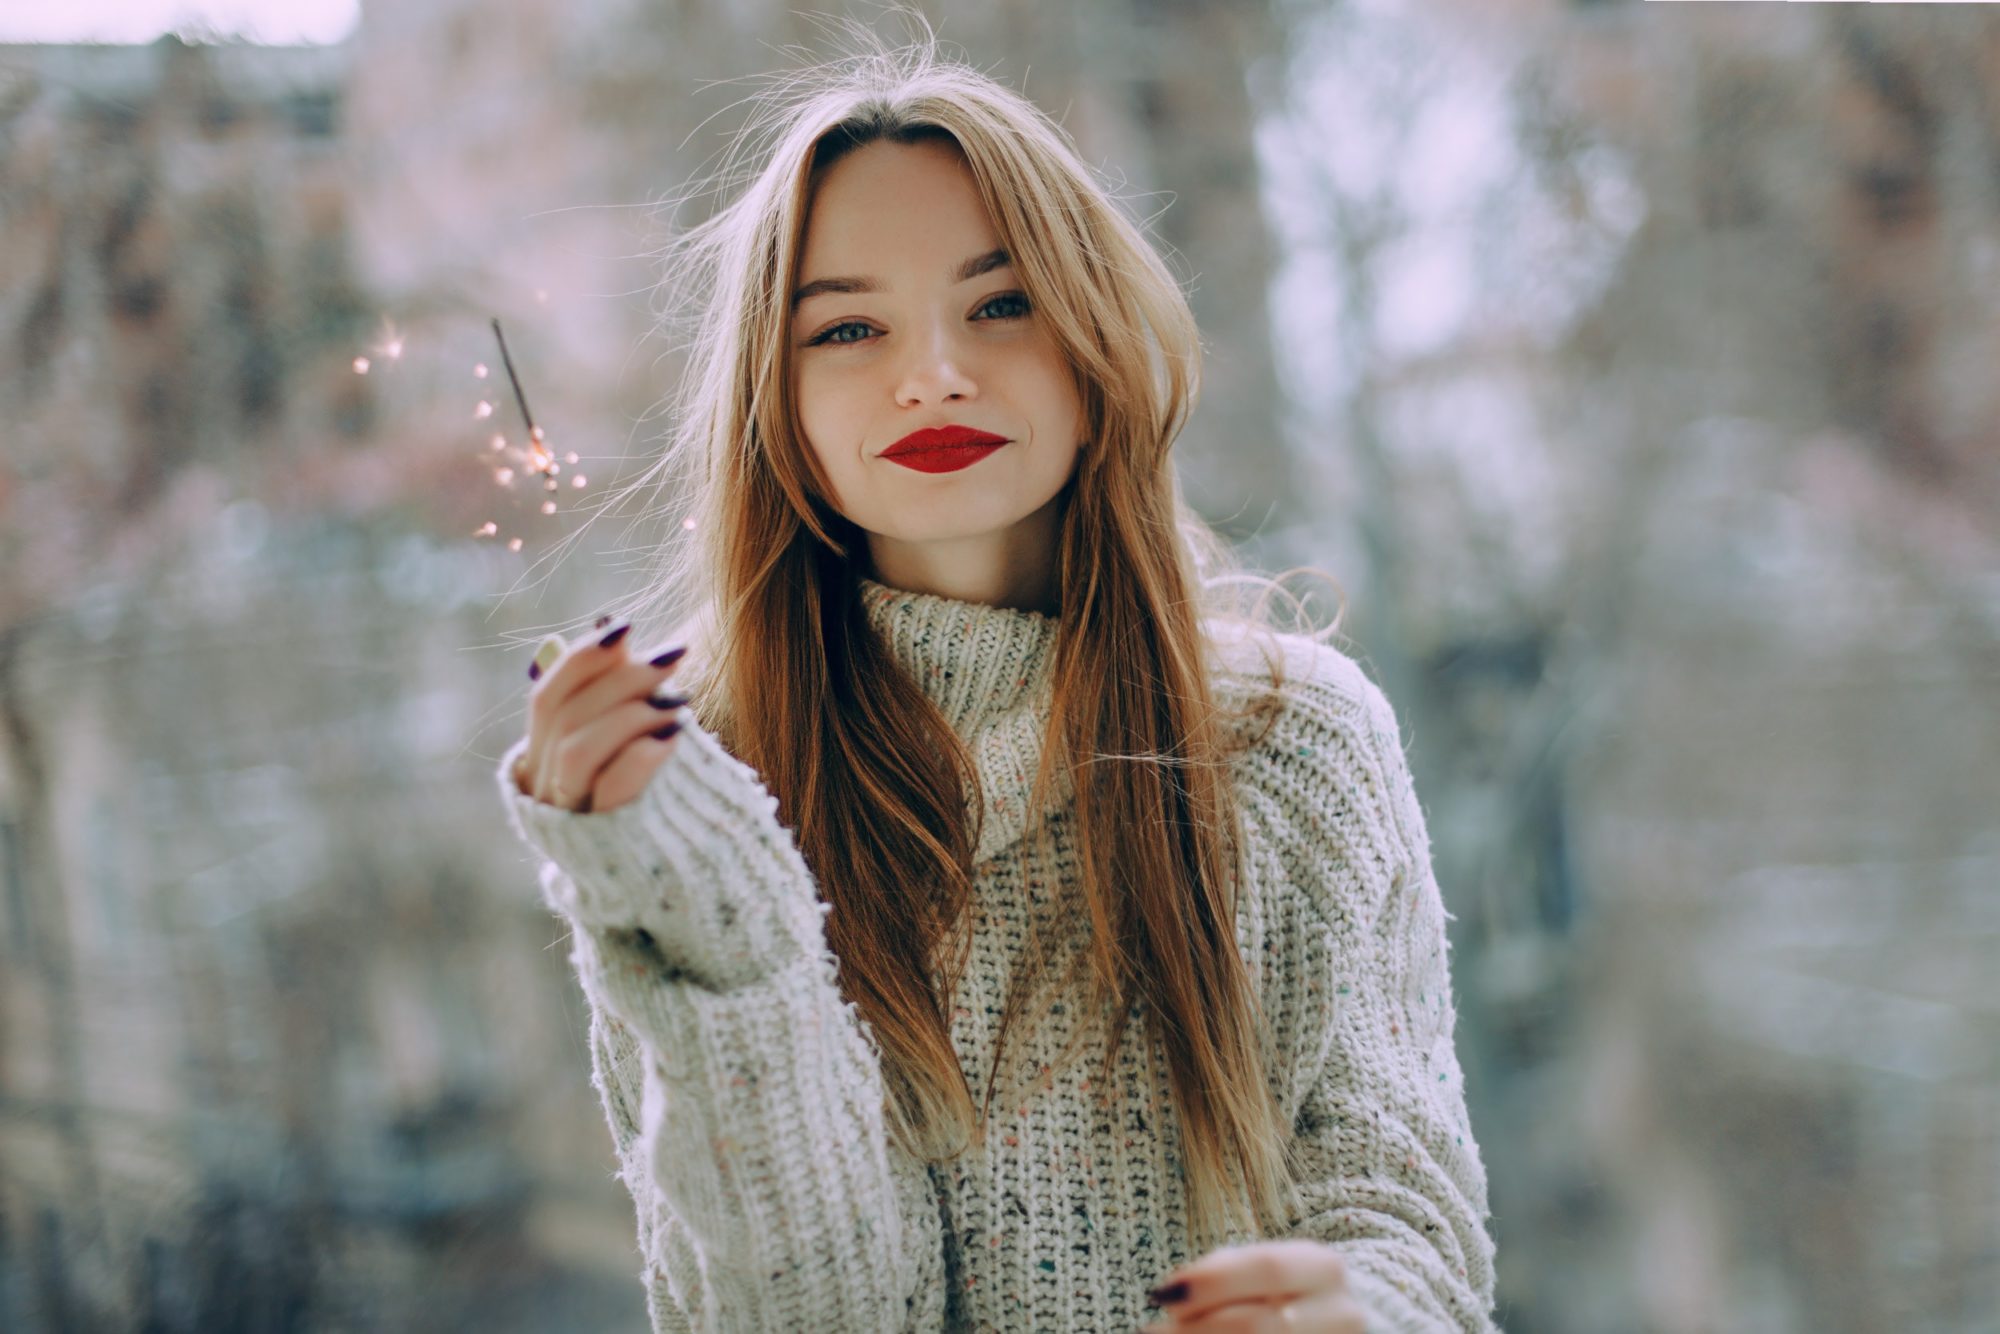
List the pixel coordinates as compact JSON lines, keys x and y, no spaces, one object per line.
{"x":744,"y":1095}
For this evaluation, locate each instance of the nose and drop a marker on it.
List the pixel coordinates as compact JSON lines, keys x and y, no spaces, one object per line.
{"x":935,"y":369}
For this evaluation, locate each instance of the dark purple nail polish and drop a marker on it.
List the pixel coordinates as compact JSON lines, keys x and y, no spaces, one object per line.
{"x":662,"y":733}
{"x":615,"y":635}
{"x":666,"y":701}
{"x":670,"y":657}
{"x":534,"y":671}
{"x":1172,"y":1292}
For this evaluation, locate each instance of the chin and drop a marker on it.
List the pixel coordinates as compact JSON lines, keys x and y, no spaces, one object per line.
{"x":943,"y":526}
{"x":982,"y":505}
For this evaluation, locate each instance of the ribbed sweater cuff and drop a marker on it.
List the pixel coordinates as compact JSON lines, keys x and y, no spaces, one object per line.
{"x":698,"y":860}
{"x":1393,"y":1308}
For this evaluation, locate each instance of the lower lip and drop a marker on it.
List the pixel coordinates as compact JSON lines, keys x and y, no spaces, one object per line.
{"x":947,"y":459}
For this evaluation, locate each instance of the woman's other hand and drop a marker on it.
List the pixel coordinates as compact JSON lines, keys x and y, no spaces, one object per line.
{"x":1290,"y":1286}
{"x":597,"y":731}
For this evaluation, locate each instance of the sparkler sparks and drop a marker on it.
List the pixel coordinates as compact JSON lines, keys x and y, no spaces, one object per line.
{"x":534,"y":457}
{"x":391,"y":345}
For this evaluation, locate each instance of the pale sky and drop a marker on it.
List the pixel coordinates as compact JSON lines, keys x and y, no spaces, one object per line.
{"x":274,"y":22}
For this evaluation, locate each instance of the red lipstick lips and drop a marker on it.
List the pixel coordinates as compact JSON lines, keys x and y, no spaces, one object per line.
{"x":943,"y":448}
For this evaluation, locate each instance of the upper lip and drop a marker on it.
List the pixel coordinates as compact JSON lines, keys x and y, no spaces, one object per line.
{"x":942,"y":437}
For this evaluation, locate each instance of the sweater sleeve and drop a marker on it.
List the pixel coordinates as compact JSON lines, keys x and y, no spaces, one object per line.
{"x":1388,"y":1170}
{"x":744,"y":1093}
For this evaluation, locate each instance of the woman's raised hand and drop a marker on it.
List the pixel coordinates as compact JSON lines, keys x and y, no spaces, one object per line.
{"x":596,"y":729}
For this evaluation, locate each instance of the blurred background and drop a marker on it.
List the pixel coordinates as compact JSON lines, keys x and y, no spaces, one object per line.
{"x":1635,"y":367}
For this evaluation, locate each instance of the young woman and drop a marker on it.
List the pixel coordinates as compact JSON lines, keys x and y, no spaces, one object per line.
{"x":976,"y":784}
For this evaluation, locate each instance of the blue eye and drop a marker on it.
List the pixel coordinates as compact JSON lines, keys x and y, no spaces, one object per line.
{"x":828,"y":335}
{"x":1011,"y":297}
{"x":1015,"y":306}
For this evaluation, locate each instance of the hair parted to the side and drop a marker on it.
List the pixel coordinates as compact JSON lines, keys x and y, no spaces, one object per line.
{"x":759,"y":573}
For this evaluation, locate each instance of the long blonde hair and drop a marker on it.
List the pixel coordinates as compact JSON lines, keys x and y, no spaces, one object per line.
{"x":760,"y":573}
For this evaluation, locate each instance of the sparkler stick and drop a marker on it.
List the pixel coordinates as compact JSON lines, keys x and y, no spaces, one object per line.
{"x":534,"y":432}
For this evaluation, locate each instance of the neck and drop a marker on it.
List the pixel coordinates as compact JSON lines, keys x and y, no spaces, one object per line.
{"x":988,"y":670}
{"x":1013,"y":568}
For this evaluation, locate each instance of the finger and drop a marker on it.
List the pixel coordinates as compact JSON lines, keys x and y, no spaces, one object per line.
{"x":620,"y":686}
{"x":631,"y":769}
{"x":1257,"y":1270}
{"x":1330,"y":1312}
{"x":546,"y":656}
{"x":628,"y":681}
{"x":580,"y":758}
{"x":1256,"y":1316}
{"x":548,"y":691}
{"x":582,"y":662}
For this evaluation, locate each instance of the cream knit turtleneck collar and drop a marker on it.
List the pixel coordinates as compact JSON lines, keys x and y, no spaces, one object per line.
{"x":988,"y":669}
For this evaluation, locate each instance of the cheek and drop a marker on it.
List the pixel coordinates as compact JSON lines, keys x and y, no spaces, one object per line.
{"x":833,"y":422}
{"x":1048,"y":380}
{"x":1059,"y":405}
{"x":808,"y":396}
{"x":824,"y":415}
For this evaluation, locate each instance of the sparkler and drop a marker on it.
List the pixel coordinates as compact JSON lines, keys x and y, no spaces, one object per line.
{"x":536,"y":456}
{"x":534,"y":459}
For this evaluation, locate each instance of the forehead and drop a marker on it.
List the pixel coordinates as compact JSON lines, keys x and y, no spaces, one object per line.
{"x":890,"y":205}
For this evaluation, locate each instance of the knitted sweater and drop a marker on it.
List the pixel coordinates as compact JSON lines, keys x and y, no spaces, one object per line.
{"x":744,"y":1094}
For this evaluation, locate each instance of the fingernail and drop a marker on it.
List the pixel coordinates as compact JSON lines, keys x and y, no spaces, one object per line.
{"x":1170,"y":1292}
{"x":670,"y":657}
{"x":662,"y":733}
{"x":666,"y":701}
{"x":534,"y":671}
{"x":603,"y":621}
{"x":615,"y":635}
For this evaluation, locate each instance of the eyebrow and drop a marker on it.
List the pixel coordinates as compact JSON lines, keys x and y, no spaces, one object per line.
{"x":965,"y":272}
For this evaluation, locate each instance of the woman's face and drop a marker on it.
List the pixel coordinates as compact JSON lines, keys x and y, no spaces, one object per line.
{"x":908,"y":317}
